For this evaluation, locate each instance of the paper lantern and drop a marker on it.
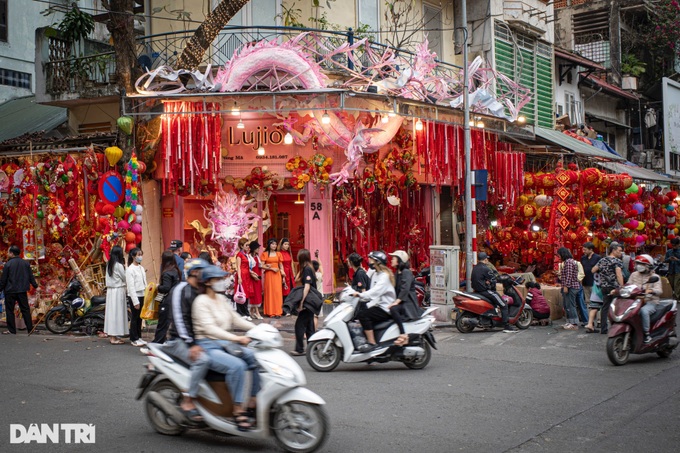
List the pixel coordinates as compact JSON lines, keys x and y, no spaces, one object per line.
{"x":544,"y":212}
{"x":108,"y":209}
{"x":123,"y":225}
{"x":546,"y":181}
{"x":633,"y":189}
{"x":591,"y":177}
{"x":129,"y":237}
{"x":526,"y":211}
{"x":113,"y":154}
{"x":138,"y":219}
{"x":139,"y":209}
{"x":529,"y":180}
{"x":136,"y":228}
{"x":129,"y":246}
{"x":639,"y":207}
{"x":641,"y":226}
{"x":138,"y":238}
{"x":633,"y":224}
{"x":125,"y":124}
{"x":574,"y":212}
{"x":119,"y":212}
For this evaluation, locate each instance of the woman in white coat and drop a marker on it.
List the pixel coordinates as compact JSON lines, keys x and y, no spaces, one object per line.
{"x":115,"y":316}
{"x":135,"y":277}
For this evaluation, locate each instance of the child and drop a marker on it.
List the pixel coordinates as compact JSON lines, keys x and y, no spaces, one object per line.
{"x":539,"y":306}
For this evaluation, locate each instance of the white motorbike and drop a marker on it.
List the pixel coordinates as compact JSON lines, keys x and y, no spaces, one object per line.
{"x":286,"y":410}
{"x":337,"y":342}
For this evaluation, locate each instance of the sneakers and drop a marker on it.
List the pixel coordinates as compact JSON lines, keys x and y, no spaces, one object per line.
{"x":138,"y":343}
{"x":510,"y":329}
{"x":368,"y":347}
{"x":648,"y":339}
{"x":568,"y":326}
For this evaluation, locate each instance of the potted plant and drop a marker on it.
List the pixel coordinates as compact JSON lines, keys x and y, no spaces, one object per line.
{"x":632,"y":69}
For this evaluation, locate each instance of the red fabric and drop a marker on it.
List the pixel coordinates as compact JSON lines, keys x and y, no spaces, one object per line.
{"x":246,"y":280}
{"x":288,"y":269}
{"x":256,"y":300}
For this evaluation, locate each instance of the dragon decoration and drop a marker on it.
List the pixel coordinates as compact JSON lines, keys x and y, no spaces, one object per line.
{"x":299,"y":64}
{"x":231,"y":217}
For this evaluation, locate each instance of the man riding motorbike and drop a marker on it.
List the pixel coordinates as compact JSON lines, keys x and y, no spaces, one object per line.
{"x":644,"y":270}
{"x":484,"y":283}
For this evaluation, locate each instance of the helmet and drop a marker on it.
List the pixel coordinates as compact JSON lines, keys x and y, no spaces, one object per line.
{"x":379,"y":256}
{"x":212,"y":272}
{"x":644,"y":259}
{"x":78,"y":302}
{"x":194,"y":264}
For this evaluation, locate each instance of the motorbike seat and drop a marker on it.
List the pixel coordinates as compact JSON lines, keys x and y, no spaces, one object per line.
{"x":98,"y":300}
{"x":211,"y":376}
{"x":663,"y":308}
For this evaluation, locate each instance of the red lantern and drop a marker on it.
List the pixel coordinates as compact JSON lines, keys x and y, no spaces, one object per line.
{"x":129,"y":237}
{"x":528,"y":210}
{"x":129,"y":246}
{"x":138,"y":238}
{"x":529,"y":180}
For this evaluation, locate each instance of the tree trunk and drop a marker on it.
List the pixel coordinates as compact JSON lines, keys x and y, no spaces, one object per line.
{"x":122,"y":28}
{"x":205,"y":34}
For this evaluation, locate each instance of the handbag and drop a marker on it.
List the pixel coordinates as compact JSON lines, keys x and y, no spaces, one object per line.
{"x":239,"y":296}
{"x":150,"y":307}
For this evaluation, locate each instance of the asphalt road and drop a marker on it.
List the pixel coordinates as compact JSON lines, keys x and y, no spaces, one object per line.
{"x":537,"y":390}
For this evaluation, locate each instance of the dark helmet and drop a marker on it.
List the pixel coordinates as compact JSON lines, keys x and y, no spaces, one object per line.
{"x":380,"y":256}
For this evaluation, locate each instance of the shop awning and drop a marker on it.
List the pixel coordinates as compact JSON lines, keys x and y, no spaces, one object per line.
{"x":23,"y":115}
{"x":637,"y":172}
{"x":578,"y":59}
{"x":607,"y":121}
{"x":571,"y":144}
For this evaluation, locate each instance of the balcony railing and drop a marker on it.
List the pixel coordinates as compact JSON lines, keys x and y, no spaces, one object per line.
{"x":65,"y":74}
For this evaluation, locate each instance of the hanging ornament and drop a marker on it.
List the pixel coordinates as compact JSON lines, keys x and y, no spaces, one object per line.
{"x":131,"y":185}
{"x":125,"y":124}
{"x":113,"y":154}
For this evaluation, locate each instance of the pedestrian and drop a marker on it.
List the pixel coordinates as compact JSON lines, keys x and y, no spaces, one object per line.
{"x":206,"y":256}
{"x":588,"y":261}
{"x":255,"y":302}
{"x":272,"y":264}
{"x":135,"y":278}
{"x":610,"y":270}
{"x":288,"y":275}
{"x":177,"y":247}
{"x":17,"y":278}
{"x":170,"y":276}
{"x":185,"y":256}
{"x":244,"y":264}
{"x":318,"y":271}
{"x":304,"y":325}
{"x":673,"y":260}
{"x":570,"y":287}
{"x":539,"y":306}
{"x":115,"y":315}
{"x":595,"y":303}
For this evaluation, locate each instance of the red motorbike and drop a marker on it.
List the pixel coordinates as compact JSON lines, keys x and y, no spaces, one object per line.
{"x":625,"y":333}
{"x":473,"y":310}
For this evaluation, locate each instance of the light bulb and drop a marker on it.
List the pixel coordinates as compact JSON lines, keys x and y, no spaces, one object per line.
{"x":288,"y":139}
{"x":471,"y":123}
{"x":260,"y":151}
{"x":235,"y":110}
{"x":536,"y":228}
{"x":494,"y":223}
{"x":391,"y":114}
{"x":385,"y":119}
{"x":325,"y":119}
{"x":419,"y":125}
{"x":480,"y":124}
{"x":240,"y":125}
{"x":521,"y":119}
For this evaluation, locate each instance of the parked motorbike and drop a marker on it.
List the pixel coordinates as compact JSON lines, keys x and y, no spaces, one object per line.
{"x":337,"y":342}
{"x":473,"y":310}
{"x":286,"y":410}
{"x":625,"y":332}
{"x":75,"y":313}
{"x":423,"y":287}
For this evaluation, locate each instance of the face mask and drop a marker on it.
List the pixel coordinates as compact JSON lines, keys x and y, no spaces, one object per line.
{"x":138,"y":259}
{"x":371,"y":265}
{"x":641,"y":268}
{"x":219,"y":286}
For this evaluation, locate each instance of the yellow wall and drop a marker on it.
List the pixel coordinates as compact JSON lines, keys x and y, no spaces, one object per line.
{"x":93,"y":113}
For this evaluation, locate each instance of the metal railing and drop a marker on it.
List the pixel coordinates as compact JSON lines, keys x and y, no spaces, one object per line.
{"x":166,"y":48}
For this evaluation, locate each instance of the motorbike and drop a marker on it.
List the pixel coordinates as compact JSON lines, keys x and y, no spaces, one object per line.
{"x":338,"y":342}
{"x":286,"y":410}
{"x":75,"y":313}
{"x":423,"y":287}
{"x":473,"y":310}
{"x":625,"y":332}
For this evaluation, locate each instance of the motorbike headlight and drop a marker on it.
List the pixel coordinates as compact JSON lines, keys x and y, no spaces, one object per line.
{"x":619,"y":318}
{"x":625,"y":292}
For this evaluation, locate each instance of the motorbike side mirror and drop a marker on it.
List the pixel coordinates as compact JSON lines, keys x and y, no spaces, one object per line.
{"x":653,"y":279}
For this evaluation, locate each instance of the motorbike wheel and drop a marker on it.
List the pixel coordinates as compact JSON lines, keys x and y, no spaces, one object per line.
{"x":58,"y":322}
{"x":462,"y":323}
{"x":300,"y":427}
{"x":320,"y":361}
{"x":158,"y":419}
{"x":421,"y":362}
{"x":615,"y":350}
{"x":525,"y":319}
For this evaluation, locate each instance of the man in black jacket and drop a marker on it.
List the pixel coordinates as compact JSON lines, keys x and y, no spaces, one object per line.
{"x":483,"y":282}
{"x":17,"y":278}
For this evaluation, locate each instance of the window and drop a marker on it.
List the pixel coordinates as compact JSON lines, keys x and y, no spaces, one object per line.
{"x":432,"y":24}
{"x":256,"y":13}
{"x":573,"y":108}
{"x":3,"y":20}
{"x":369,"y":14}
{"x":15,"y":78}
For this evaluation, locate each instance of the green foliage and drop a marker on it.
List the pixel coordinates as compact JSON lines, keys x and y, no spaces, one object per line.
{"x":76,"y":25}
{"x":632,"y":66}
{"x":290,"y":15}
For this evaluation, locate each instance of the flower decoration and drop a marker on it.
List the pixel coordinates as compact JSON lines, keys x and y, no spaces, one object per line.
{"x":260,"y":179}
{"x":368,"y":181}
{"x":400,"y":159}
{"x":316,"y":170}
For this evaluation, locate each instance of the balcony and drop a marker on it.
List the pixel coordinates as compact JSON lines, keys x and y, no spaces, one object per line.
{"x":67,"y":81}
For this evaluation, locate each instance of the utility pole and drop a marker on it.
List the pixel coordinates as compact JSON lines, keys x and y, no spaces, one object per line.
{"x":469,"y":254}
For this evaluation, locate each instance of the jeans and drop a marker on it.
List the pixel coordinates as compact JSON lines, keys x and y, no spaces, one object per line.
{"x":569,"y":301}
{"x":234,"y":368}
{"x":199,"y":368}
{"x":581,"y":306}
{"x":645,"y":313}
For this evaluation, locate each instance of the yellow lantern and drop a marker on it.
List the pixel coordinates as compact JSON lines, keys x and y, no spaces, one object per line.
{"x":113,"y":154}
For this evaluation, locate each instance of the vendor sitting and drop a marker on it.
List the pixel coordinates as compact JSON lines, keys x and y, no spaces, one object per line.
{"x":538,"y":303}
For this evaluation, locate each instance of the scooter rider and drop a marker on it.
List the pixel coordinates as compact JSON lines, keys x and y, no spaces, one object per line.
{"x":644,"y":270}
{"x":380,"y":297}
{"x":181,"y":341}
{"x":484,"y":283}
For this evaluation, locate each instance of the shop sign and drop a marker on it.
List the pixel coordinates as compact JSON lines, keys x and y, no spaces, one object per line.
{"x":168,"y":212}
{"x":242,"y":144}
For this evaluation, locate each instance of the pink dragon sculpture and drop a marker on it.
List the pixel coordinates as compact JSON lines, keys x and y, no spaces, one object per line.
{"x":230,"y":218}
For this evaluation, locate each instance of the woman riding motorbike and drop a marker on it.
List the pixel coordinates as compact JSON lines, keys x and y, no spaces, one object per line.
{"x":644,"y":269}
{"x":213,"y":318}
